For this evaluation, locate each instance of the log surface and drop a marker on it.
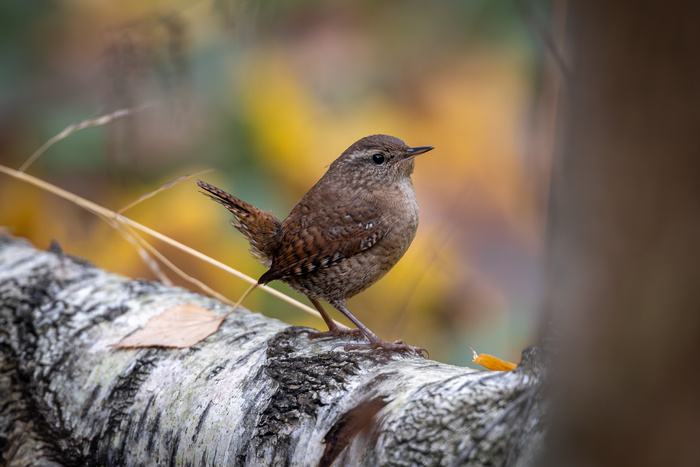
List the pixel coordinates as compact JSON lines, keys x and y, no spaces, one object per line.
{"x":257,"y":392}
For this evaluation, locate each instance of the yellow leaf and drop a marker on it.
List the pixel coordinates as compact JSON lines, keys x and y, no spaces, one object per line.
{"x":492,"y":363}
{"x":179,"y":326}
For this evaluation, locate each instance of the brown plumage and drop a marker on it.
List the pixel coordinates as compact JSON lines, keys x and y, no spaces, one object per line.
{"x":346,"y":232}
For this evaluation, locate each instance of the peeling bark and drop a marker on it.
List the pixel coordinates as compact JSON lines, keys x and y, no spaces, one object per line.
{"x":255,"y":393}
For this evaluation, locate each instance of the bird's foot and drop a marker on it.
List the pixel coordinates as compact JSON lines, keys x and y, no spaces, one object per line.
{"x":335,"y":332}
{"x":396,"y":346}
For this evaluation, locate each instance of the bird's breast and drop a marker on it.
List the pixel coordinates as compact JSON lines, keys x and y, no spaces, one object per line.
{"x":400,"y":215}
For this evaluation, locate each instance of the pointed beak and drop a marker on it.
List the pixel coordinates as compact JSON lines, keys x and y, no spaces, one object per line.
{"x":413,"y":152}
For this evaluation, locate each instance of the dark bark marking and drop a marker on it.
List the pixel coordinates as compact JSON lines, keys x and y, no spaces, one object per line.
{"x":111,"y":314}
{"x":141,"y":425}
{"x":153,"y":431}
{"x":18,"y":327}
{"x":251,"y":414}
{"x":353,"y":422}
{"x":128,"y":384}
{"x":300,"y":383}
{"x":242,"y":338}
{"x":20,"y":406}
{"x":253,"y":351}
{"x":56,"y":250}
{"x":117,"y":402}
{"x":127,"y":434}
{"x":138,"y":288}
{"x":242,"y":459}
{"x":202,"y":419}
{"x":174,"y":448}
{"x":217,"y":369}
{"x":480,"y":381}
{"x":90,"y":401}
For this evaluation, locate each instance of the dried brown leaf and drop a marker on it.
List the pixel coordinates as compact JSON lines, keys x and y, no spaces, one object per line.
{"x":179,"y":326}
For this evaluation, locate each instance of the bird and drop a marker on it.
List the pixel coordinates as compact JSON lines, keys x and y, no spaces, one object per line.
{"x":344,"y":234}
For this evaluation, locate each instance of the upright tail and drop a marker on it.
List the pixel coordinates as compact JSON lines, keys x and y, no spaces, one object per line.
{"x":260,"y":227}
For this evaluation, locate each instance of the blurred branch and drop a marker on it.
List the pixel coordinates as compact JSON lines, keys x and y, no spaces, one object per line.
{"x":528,"y":12}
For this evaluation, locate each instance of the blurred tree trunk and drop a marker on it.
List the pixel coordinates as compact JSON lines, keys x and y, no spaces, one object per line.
{"x":625,"y":238}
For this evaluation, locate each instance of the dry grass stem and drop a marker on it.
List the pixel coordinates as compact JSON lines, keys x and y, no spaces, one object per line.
{"x":161,"y":188}
{"x":99,"y":121}
{"x":240,"y":300}
{"x":108,"y":214}
{"x":137,"y":242}
{"x":194,"y":281}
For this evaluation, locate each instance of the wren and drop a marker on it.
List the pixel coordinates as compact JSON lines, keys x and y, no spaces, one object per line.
{"x":344,"y":235}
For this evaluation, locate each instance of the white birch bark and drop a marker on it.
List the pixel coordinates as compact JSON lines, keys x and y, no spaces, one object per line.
{"x":255,"y":393}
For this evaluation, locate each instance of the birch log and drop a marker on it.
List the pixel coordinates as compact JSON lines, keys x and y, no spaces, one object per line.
{"x":255,"y":393}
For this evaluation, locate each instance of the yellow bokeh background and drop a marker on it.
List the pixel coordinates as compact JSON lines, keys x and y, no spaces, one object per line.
{"x":267,"y":97}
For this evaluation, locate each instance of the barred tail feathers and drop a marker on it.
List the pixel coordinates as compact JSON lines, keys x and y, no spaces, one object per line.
{"x":259,"y":227}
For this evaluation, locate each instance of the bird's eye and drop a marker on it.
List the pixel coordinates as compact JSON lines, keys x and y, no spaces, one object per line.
{"x":378,"y":158}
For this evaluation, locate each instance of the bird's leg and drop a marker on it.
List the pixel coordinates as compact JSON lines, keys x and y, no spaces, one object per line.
{"x":333,"y":329}
{"x":374,"y":341}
